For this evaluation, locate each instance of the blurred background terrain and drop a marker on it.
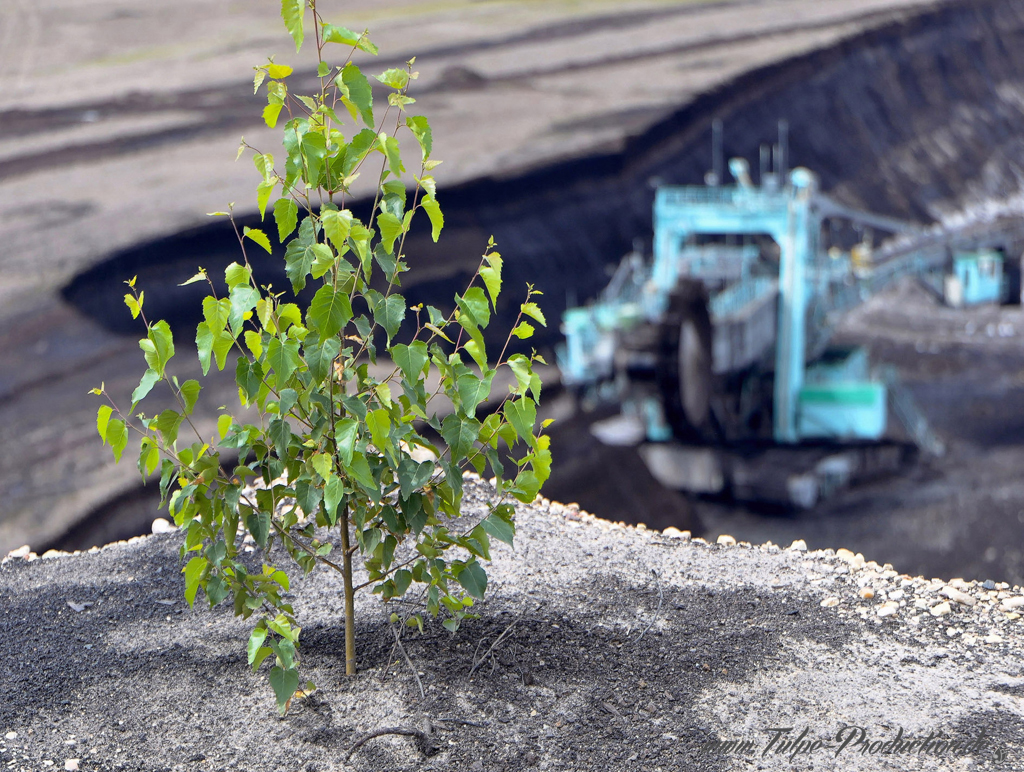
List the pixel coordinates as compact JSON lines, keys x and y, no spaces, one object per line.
{"x":119,"y":123}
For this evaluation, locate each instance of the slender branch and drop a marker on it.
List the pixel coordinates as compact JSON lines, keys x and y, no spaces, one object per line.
{"x":405,"y":655}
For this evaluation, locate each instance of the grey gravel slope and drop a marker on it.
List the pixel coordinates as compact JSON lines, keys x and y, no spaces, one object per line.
{"x":630,"y":649}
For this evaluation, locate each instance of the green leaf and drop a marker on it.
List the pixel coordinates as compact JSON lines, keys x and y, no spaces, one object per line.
{"x":360,"y":93}
{"x":500,"y":529}
{"x":413,"y":475}
{"x":359,"y":470}
{"x":116,"y":435}
{"x":102,"y":418}
{"x":523,"y":330}
{"x":319,"y":357}
{"x":258,"y":236}
{"x":190,"y":393}
{"x":149,"y":457}
{"x":533,"y":311}
{"x":390,"y":229}
{"x":283,"y":357}
{"x":329,"y":312}
{"x":258,"y":524}
{"x":298,"y":260}
{"x":421,"y":130}
{"x":193,"y":571}
{"x":280,"y":434}
{"x":292,"y":12}
{"x":389,"y":313}
{"x":167,"y":423}
{"x":520,"y":366}
{"x":491,"y":275}
{"x":389,"y":146}
{"x":522,"y":414}
{"x":284,"y":682}
{"x":236,"y":274}
{"x":337,"y":225}
{"x":473,"y":390}
{"x":271,"y":113}
{"x":249,"y":377}
{"x":395,"y":78}
{"x":402,"y":579}
{"x":261,"y":654}
{"x":433,"y":210}
{"x":345,"y":37}
{"x":263,"y":192}
{"x":243,"y":300}
{"x":254,"y":343}
{"x":201,"y":276}
{"x":345,"y":433}
{"x":459,"y":433}
{"x":323,"y":260}
{"x":379,"y":423}
{"x":133,"y":305}
{"x":286,"y":215}
{"x":474,"y":579}
{"x":474,"y":303}
{"x":410,"y":358}
{"x":149,"y":379}
{"x":278,"y":71}
{"x":314,"y":150}
{"x":158,"y":346}
{"x":256,"y":638}
{"x":207,"y":343}
{"x":334,"y":493}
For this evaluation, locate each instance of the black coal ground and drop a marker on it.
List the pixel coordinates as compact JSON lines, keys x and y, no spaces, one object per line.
{"x":608,"y":656}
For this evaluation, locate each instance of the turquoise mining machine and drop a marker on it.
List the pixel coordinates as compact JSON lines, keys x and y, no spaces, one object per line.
{"x":719,"y":349}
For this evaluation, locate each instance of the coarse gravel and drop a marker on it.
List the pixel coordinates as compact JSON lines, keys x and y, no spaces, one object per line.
{"x":623,"y":649}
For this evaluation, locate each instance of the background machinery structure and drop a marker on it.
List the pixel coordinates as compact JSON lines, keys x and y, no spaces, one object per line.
{"x":719,"y":349}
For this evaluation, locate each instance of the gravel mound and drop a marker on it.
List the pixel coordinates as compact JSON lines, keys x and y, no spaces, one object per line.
{"x":599,"y":646}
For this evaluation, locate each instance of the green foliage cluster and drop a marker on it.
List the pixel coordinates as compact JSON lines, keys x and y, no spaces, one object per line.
{"x":331,"y":445}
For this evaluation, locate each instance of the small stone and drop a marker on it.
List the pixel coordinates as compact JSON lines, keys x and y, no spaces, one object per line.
{"x":51,"y":554}
{"x":844,"y":554}
{"x":959,"y":584}
{"x":11,"y":736}
{"x":71,"y":765}
{"x":940,"y":610}
{"x":867,"y":593}
{"x":1011,"y":603}
{"x":830,"y":602}
{"x":888,"y":609}
{"x":993,"y":638}
{"x":726,"y":540}
{"x":162,"y":525}
{"x":22,"y":552}
{"x":952,"y":632}
{"x":896,"y":595}
{"x":799,"y":545}
{"x":673,"y":533}
{"x":954,"y":593}
{"x":1013,"y":615}
{"x":988,"y":584}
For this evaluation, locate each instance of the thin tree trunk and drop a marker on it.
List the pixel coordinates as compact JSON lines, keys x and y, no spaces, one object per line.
{"x":350,"y":609}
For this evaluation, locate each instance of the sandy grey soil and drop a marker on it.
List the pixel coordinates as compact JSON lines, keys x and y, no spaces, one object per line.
{"x":624,"y":650}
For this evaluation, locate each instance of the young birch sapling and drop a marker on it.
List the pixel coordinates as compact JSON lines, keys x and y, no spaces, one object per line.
{"x":335,"y":441}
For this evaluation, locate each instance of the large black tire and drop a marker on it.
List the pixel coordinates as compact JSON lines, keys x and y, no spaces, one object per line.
{"x":684,"y":371}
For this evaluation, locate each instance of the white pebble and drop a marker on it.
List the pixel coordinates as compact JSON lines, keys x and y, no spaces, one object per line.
{"x":887,"y":609}
{"x":940,"y":610}
{"x":162,"y":525}
{"x":960,"y":597}
{"x":799,"y":545}
{"x":726,"y":540}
